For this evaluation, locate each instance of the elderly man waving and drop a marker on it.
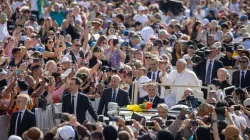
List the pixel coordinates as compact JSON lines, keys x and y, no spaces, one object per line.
{"x":180,"y":76}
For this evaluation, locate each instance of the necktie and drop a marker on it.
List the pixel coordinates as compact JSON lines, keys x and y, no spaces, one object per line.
{"x":242,"y":79}
{"x":19,"y":120}
{"x":113,"y":96}
{"x":153,"y":77}
{"x":208,"y":75}
{"x":73,"y":105}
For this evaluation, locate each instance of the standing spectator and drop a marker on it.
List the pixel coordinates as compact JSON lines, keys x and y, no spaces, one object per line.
{"x":140,"y":16}
{"x":3,"y":27}
{"x":77,"y":103}
{"x":113,"y":94}
{"x":23,"y":119}
{"x":240,"y":77}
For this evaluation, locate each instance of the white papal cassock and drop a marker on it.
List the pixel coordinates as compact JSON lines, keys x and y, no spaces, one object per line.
{"x":186,"y":77}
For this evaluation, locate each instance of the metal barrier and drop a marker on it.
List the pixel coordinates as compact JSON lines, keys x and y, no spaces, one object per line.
{"x":4,"y":127}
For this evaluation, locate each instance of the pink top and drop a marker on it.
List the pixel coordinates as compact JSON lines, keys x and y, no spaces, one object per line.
{"x":55,"y":95}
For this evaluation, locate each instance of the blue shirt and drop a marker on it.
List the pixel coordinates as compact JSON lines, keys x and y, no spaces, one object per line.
{"x":57,"y":16}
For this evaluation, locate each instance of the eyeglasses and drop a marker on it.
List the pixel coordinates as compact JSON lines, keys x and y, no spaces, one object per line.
{"x":104,"y":42}
{"x":243,"y":62}
{"x":50,"y":42}
{"x":50,"y":34}
{"x":147,"y":57}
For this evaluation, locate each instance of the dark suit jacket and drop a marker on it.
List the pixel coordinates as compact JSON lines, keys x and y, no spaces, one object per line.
{"x":122,"y":99}
{"x":149,"y":75}
{"x":83,"y":104}
{"x":157,"y":100}
{"x":236,"y":79}
{"x":28,"y":121}
{"x":200,"y":70}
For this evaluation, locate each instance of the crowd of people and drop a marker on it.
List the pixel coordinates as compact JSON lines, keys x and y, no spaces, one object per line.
{"x":86,"y":54}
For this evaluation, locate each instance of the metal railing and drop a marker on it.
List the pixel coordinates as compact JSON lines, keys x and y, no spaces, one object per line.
{"x":135,"y":86}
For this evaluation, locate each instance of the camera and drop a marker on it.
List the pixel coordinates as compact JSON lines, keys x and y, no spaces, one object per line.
{"x":137,"y":117}
{"x":61,"y":116}
{"x":200,"y":55}
{"x":149,"y":123}
{"x":237,"y":107}
{"x":115,"y":42}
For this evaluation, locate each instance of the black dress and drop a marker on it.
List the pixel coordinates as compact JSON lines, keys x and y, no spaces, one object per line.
{"x":50,"y":58}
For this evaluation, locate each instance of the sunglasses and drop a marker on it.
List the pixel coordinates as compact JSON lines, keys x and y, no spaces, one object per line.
{"x":50,"y":42}
{"x":147,"y":57}
{"x":50,"y":34}
{"x":243,"y":61}
{"x":77,"y":45}
{"x":104,"y":42}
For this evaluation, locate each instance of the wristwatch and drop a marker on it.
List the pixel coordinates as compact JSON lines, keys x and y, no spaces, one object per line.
{"x":213,"y":121}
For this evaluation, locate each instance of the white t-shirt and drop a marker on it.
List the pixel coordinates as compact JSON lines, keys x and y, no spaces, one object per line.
{"x":34,"y":6}
{"x":141,"y":18}
{"x":186,"y":56}
{"x":17,"y":4}
{"x":78,"y":17}
{"x":84,"y":3}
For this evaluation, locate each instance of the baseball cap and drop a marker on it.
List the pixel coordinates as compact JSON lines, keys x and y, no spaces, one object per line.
{"x":243,"y":31}
{"x":66,"y":132}
{"x":32,"y":17}
{"x":240,"y":47}
{"x":231,"y":131}
{"x":243,"y":17}
{"x":144,"y":79}
{"x":141,"y":8}
{"x":205,"y":21}
{"x":230,"y":49}
{"x":158,"y":41}
{"x":3,"y":17}
{"x":65,"y":59}
{"x":111,"y":37}
{"x":2,"y":71}
{"x":14,"y":137}
{"x":246,"y":103}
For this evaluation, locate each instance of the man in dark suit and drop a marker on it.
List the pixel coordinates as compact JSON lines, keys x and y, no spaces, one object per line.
{"x":23,"y":119}
{"x":113,"y":94}
{"x":152,"y":97}
{"x":155,"y":73}
{"x":241,"y":77}
{"x":207,"y":70}
{"x":77,"y":103}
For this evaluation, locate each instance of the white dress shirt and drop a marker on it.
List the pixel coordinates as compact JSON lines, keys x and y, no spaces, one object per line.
{"x":156,"y":75}
{"x":75,"y":101}
{"x":245,"y":72}
{"x":3,"y":31}
{"x":116,"y":92}
{"x":23,"y":111}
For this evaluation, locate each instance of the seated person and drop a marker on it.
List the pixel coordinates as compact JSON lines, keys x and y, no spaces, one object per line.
{"x":187,"y":98}
{"x":163,"y":112}
{"x":152,"y":97}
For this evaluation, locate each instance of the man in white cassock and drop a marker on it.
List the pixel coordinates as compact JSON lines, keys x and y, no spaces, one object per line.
{"x":180,"y":76}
